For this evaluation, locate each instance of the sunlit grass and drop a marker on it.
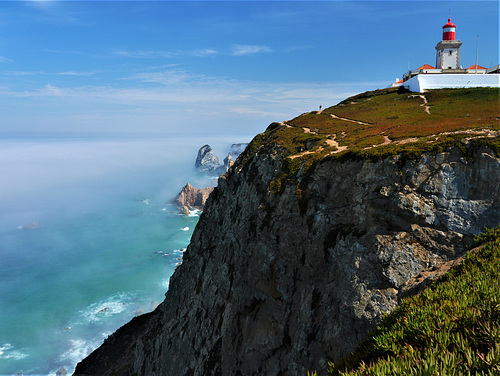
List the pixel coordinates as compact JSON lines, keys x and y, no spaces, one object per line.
{"x":365,"y":121}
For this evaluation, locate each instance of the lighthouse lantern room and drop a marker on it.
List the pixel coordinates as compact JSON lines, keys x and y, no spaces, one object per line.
{"x":448,"y":50}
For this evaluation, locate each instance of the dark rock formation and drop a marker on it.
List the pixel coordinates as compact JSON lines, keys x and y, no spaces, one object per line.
{"x":281,"y":282}
{"x":191,"y":198}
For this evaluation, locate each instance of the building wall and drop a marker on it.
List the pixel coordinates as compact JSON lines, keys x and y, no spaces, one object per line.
{"x":450,"y":58}
{"x":423,"y":82}
{"x":448,"y":54}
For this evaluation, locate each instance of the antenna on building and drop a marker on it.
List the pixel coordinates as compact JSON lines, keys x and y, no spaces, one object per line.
{"x":477,"y":50}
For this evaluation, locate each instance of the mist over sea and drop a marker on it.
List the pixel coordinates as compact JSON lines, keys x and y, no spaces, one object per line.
{"x":87,"y":240}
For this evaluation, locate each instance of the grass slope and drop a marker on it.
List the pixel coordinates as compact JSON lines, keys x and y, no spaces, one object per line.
{"x":384,"y":123}
{"x":451,"y":328}
{"x":366,"y":120}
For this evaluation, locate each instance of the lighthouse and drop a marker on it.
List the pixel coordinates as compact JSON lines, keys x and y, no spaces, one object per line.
{"x":448,"y":73}
{"x":448,"y":50}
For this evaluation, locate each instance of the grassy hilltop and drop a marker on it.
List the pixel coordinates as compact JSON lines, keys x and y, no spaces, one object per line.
{"x":388,"y":121}
{"x":383,"y":123}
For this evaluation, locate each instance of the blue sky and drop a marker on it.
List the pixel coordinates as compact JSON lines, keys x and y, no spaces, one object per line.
{"x":212,"y":68}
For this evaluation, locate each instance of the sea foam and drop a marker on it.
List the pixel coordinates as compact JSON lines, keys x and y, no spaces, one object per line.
{"x":7,"y":352}
{"x":106,"y":308}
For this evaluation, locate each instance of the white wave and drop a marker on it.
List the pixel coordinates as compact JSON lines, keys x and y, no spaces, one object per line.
{"x":7,"y":352}
{"x":182,"y":250}
{"x":165,"y":283}
{"x":185,"y":229}
{"x":106,"y":308}
{"x":80,"y":348}
{"x":194,"y":213}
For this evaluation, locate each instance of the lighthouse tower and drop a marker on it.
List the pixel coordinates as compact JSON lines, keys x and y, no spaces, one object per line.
{"x":448,"y":50}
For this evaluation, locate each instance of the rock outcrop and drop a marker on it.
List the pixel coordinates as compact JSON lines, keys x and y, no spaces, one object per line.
{"x":281,"y":281}
{"x":191,"y":198}
{"x":207,"y":162}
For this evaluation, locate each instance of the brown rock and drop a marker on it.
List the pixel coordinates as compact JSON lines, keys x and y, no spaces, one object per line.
{"x":190,"y":197}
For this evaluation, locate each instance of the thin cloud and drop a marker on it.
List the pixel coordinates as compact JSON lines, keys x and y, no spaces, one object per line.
{"x":73,"y":73}
{"x":4,"y":59}
{"x":245,"y":49}
{"x":19,"y":73}
{"x":180,"y":89}
{"x":168,"y":77}
{"x":206,"y":52}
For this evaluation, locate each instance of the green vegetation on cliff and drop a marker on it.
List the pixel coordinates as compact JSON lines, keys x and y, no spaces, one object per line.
{"x":385,"y":123}
{"x":451,"y":328}
{"x":389,"y":120}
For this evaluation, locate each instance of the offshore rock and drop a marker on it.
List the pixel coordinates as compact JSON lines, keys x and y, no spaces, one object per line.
{"x":281,"y":282}
{"x":206,"y":161}
{"x":190,"y":197}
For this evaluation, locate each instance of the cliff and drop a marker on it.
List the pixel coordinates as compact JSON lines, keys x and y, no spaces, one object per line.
{"x":315,"y":232}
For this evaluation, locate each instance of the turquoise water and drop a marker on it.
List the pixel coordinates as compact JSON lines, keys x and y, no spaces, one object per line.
{"x":83,"y":252}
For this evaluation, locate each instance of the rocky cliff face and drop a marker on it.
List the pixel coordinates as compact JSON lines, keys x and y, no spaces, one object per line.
{"x":281,"y":282}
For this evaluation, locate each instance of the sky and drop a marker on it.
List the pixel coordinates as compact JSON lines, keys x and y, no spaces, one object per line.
{"x":227,"y":68}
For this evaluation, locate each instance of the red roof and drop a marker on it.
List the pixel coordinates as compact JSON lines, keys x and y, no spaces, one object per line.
{"x":426,"y":66}
{"x":449,"y":24}
{"x":474,"y":67}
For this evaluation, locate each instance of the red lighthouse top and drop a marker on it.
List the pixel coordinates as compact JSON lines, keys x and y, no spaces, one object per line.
{"x":449,"y":30}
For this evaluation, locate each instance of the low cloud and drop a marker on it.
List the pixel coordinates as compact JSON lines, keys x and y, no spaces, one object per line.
{"x":167,"y":100}
{"x":245,"y":49}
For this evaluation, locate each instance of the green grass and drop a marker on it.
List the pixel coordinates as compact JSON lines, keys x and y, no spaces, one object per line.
{"x":400,"y":114}
{"x":451,"y":328}
{"x":394,"y":113}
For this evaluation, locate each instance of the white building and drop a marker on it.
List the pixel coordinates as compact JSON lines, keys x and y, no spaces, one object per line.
{"x":448,"y":72}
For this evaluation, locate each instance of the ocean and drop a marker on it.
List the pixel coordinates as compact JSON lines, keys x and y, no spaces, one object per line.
{"x":88,"y":240}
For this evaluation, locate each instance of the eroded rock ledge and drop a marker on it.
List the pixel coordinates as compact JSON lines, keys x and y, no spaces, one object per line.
{"x":278,"y":283}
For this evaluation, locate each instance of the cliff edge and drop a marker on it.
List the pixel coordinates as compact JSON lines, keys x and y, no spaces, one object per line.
{"x":313,"y":234}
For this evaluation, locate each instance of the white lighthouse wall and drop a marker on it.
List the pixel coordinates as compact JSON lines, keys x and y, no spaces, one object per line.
{"x":423,"y":82}
{"x":450,"y":59}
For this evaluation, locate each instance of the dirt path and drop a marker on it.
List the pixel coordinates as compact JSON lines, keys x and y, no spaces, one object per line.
{"x":353,"y":121}
{"x":387,"y":141}
{"x":424,"y":105}
{"x":308,"y":130}
{"x":334,"y":143}
{"x":330,"y":142}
